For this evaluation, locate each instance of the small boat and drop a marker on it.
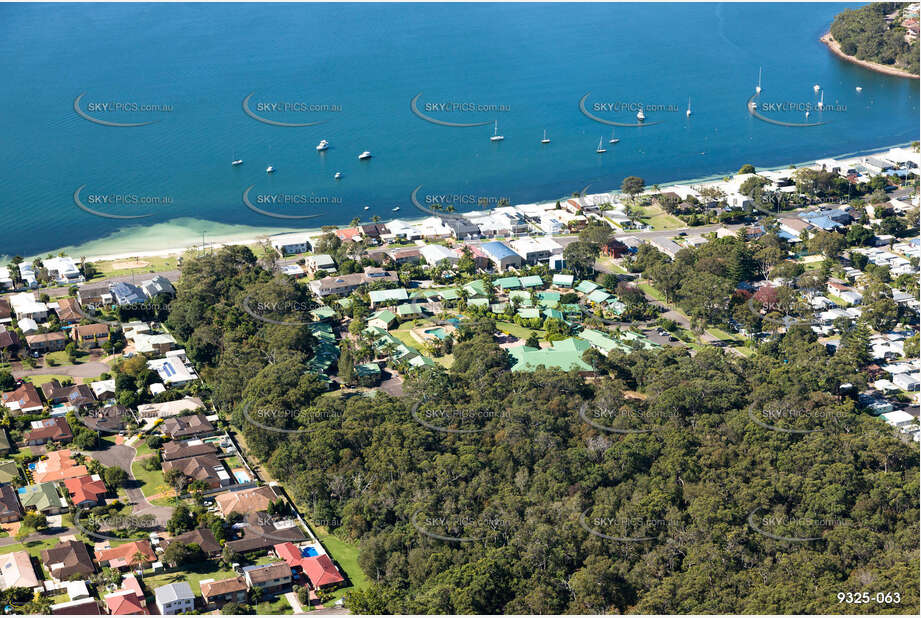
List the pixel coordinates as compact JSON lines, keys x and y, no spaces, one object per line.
{"x":495,"y":134}
{"x":601,"y":149}
{"x":367,"y":207}
{"x":613,"y":139}
{"x":640,"y":115}
{"x":337,"y":175}
{"x":323,"y":145}
{"x":807,"y":114}
{"x":236,"y":162}
{"x":270,"y":170}
{"x":859,"y":89}
{"x":396,"y":209}
{"x":546,"y":139}
{"x":758,"y":87}
{"x":365,"y":155}
{"x":821,"y":103}
{"x":816,"y":89}
{"x":688,"y":113}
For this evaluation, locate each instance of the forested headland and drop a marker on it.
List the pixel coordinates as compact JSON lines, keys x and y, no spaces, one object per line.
{"x":667,"y":483}
{"x":865,"y":34}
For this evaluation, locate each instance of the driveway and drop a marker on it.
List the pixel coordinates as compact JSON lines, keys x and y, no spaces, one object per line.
{"x":122,"y":456}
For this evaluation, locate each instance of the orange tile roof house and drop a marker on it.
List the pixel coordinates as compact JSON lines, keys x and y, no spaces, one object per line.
{"x":246,"y":501}
{"x":125,"y":555}
{"x":86,"y":490}
{"x":68,"y":311}
{"x":57,"y":466}
{"x":321,"y":571}
{"x":16,"y":571}
{"x":124,"y":603}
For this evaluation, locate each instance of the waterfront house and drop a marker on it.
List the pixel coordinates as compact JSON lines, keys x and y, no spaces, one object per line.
{"x":68,"y":311}
{"x":157,"y":286}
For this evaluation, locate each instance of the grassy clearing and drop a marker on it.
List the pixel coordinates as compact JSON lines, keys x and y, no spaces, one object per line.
{"x":42,"y":378}
{"x":660,"y":220}
{"x":652,"y":292}
{"x":154,"y":264}
{"x":152,"y":482}
{"x":277,"y":606}
{"x":346,"y":555}
{"x":510,"y":328}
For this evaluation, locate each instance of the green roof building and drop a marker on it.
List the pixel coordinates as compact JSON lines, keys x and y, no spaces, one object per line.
{"x":529,"y":313}
{"x":368,"y":374}
{"x":326,"y":351}
{"x":563,"y":281}
{"x":386,"y":296}
{"x":524,"y":298}
{"x":43,"y":497}
{"x":383,"y":319}
{"x":532,"y":281}
{"x":408,"y":310}
{"x":9,"y":471}
{"x":564,"y":355}
{"x":323,"y":313}
{"x":478,"y":302}
{"x":603,"y":342}
{"x":476,"y":288}
{"x":598,"y":296}
{"x":497,"y":307}
{"x":586,"y":287}
{"x":508,"y":283}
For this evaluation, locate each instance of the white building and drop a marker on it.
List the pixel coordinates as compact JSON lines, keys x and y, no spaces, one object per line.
{"x":535,"y":250}
{"x":174,"y":598}
{"x":157,"y":285}
{"x":175,"y":369}
{"x":28,"y":275}
{"x":436,"y":253}
{"x":6,"y":282}
{"x":63,"y":270}
{"x":25,"y":305}
{"x":291,"y":244}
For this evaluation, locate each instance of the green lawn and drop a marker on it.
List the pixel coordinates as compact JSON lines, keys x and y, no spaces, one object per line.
{"x":521,"y":332}
{"x":192,"y":574}
{"x":346,"y":555}
{"x":723,"y":335}
{"x":402,"y":333}
{"x":151,"y":480}
{"x":107,"y":269}
{"x":42,"y":378}
{"x":651,"y":291}
{"x":61,"y":358}
{"x":278,"y":606}
{"x":33,"y":547}
{"x":660,"y":220}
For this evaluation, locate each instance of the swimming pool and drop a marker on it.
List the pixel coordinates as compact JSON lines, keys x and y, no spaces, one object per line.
{"x":241,"y":476}
{"x":437,"y":332}
{"x":308,"y":552}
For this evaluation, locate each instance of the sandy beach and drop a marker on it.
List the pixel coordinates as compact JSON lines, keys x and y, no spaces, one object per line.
{"x":873,"y":66}
{"x":175,"y":237}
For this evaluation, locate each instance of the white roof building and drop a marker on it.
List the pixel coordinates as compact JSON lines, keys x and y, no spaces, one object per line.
{"x":175,"y":369}
{"x":63,"y":269}
{"x":436,"y":253}
{"x":25,"y":305}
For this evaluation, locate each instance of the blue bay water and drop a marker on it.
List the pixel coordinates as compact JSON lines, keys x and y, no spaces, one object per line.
{"x":369,"y":61}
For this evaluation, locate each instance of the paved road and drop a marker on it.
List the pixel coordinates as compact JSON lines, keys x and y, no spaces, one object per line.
{"x":172,"y":275}
{"x":50,"y":533}
{"x":123,"y":456}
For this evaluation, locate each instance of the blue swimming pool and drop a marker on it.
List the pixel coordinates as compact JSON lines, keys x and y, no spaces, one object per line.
{"x":307,"y":552}
{"x":242,"y":477}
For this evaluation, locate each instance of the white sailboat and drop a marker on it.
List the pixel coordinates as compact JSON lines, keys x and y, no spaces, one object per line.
{"x":640,"y":115}
{"x":816,"y":88}
{"x":758,"y":87}
{"x":323,"y":145}
{"x":236,"y":161}
{"x":270,"y":170}
{"x":365,"y":155}
{"x":495,"y":134}
{"x":613,"y":139}
{"x":859,"y":89}
{"x":821,"y":103}
{"x":337,"y":175}
{"x":546,"y":139}
{"x":688,"y":113}
{"x":601,"y":149}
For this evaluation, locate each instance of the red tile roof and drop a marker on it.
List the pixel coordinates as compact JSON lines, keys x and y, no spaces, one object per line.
{"x":289,"y":553}
{"x":124,"y":603}
{"x":123,"y":555}
{"x":321,"y":571}
{"x":85,"y":489}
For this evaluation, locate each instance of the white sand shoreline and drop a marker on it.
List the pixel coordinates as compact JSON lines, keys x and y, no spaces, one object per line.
{"x":244,"y":236}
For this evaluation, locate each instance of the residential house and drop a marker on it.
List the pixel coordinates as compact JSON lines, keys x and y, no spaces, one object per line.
{"x":49,"y":430}
{"x":25,"y":305}
{"x":321,"y":571}
{"x":247,"y":501}
{"x":9,"y":472}
{"x":125,"y":293}
{"x":219,"y":593}
{"x":176,"y":598}
{"x":156,"y":344}
{"x":16,"y":571}
{"x":205,"y":468}
{"x":169,"y":408}
{"x":405,"y":256}
{"x":77,"y":395}
{"x":63,"y":270}
{"x":90,"y":335}
{"x":9,"y":339}
{"x":383,"y":319}
{"x":186,"y":426}
{"x":68,"y":558}
{"x":57,"y":466}
{"x":4,"y":443}
{"x":175,"y":369}
{"x":125,"y":603}
{"x":110,"y":419}
{"x":47,"y":342}
{"x":291,"y":244}
{"x":157,"y":286}
{"x":792,"y":227}
{"x":6,"y":281}
{"x":127,"y":555}
{"x":203,"y":537}
{"x":433,"y":254}
{"x":181,"y":449}
{"x":103,"y":389}
{"x":461,"y":228}
{"x":86,"y":491}
{"x":24,"y":400}
{"x":80,"y":607}
{"x":269,"y":577}
{"x":535,"y":250}
{"x":322,"y":261}
{"x":10,"y":510}
{"x":69,"y":311}
{"x":262,"y":532}
{"x":28,"y":326}
{"x":94,"y":296}
{"x":344,"y":285}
